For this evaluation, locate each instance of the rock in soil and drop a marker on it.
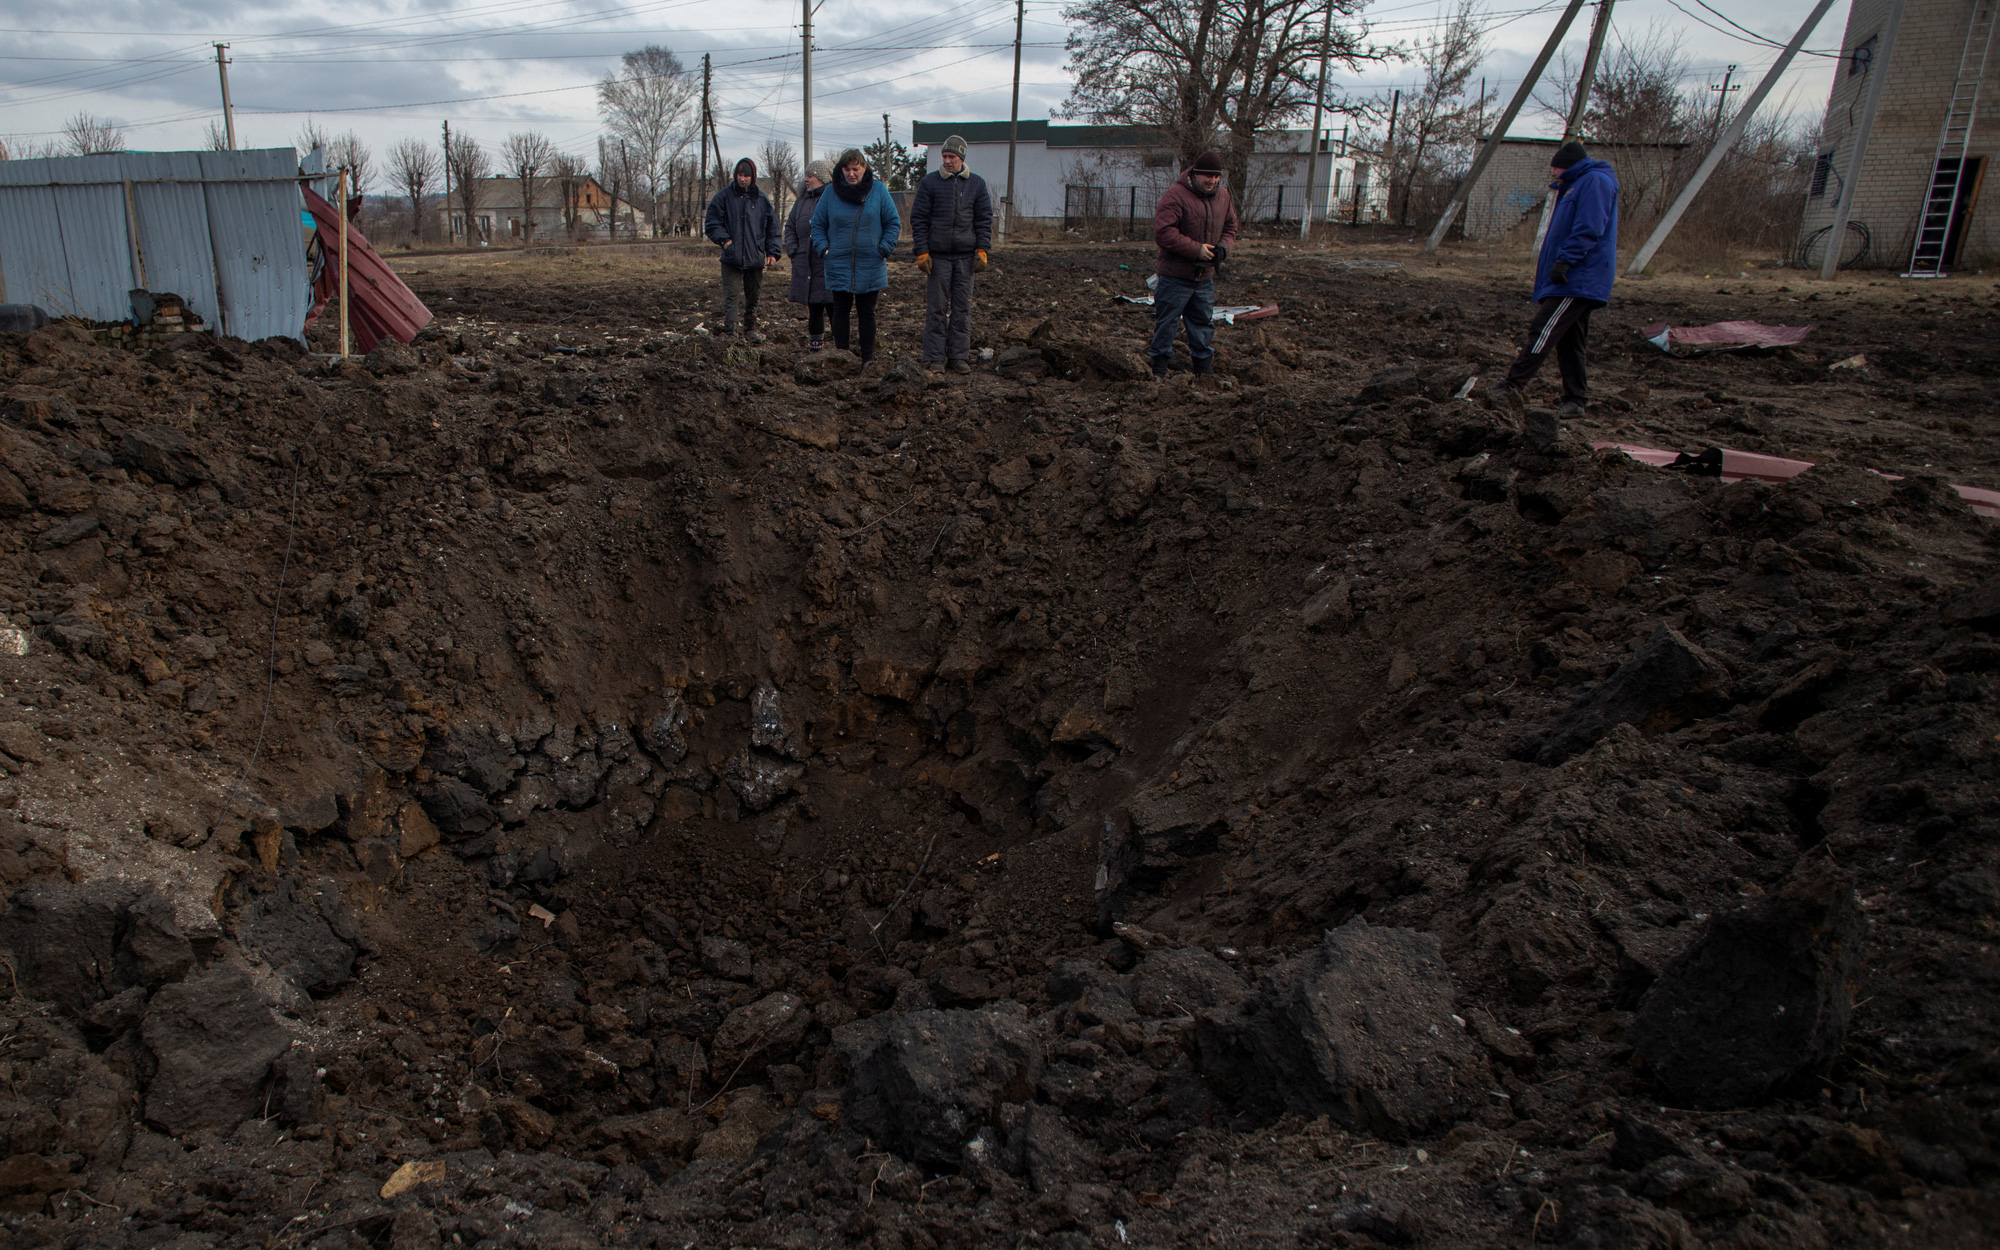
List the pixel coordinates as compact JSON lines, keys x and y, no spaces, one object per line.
{"x":1763,"y":996}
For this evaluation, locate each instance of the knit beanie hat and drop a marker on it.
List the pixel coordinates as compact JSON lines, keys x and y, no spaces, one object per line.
{"x":956,"y":144}
{"x":747,"y":166}
{"x":822,"y":170}
{"x":1568,"y":154}
{"x":1209,"y":162}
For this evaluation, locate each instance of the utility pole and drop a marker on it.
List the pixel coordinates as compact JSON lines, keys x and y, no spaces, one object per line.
{"x":806,"y":153}
{"x":1492,"y":145}
{"x":1013,"y":125}
{"x":1389,"y":153}
{"x":885,"y":136}
{"x":1726,"y":140}
{"x":1836,"y":234}
{"x":1573,"y":128}
{"x":228,"y":113}
{"x":1312,"y":138}
{"x":1722,"y":94}
{"x":704,"y":122}
{"x":449,"y":233}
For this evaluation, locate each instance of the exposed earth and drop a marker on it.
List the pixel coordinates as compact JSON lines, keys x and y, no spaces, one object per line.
{"x":573,"y":781}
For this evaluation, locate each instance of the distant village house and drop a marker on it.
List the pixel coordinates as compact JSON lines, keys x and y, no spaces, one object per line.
{"x":577,"y":209}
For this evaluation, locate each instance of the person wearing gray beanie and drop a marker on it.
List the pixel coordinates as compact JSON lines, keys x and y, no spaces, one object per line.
{"x":808,"y":266}
{"x":951,"y":226}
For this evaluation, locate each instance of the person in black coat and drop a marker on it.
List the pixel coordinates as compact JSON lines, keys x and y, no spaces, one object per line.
{"x":951,"y":226}
{"x":741,"y":221}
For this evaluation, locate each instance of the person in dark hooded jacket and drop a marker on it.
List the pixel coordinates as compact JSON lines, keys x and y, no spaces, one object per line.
{"x":1573,"y":276}
{"x":741,"y":221}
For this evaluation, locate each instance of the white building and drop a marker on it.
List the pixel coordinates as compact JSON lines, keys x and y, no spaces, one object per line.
{"x":1067,"y":175}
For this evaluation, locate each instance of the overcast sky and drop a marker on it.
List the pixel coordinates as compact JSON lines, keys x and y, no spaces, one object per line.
{"x":395,"y":68}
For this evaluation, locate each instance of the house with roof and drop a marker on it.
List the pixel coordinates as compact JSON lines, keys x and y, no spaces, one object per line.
{"x":1069,"y":175}
{"x":497,"y":214}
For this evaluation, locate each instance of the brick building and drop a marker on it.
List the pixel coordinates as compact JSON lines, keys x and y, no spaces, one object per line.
{"x":1895,"y":176}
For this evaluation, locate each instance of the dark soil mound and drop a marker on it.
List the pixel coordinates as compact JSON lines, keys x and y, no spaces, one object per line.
{"x":569,"y":783}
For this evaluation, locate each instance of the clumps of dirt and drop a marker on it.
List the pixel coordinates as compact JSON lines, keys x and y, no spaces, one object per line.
{"x":553,"y":787}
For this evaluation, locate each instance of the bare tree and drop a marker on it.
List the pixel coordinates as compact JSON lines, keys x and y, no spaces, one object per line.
{"x":348,"y":152}
{"x":312,"y":136}
{"x":85,"y":135}
{"x":648,"y":105}
{"x":215,"y":138}
{"x":614,"y":170}
{"x":528,"y":153}
{"x":27,"y":150}
{"x":1206,"y":69}
{"x":780,"y":160}
{"x":570,"y":174}
{"x":1439,"y":115}
{"x":468,"y":164}
{"x":415,"y":165}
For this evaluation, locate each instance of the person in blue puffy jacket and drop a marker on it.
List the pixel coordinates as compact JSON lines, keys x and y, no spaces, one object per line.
{"x":856,"y":229}
{"x":1572,"y":275}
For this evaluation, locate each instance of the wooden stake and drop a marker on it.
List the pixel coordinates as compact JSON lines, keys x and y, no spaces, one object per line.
{"x":341,"y":211}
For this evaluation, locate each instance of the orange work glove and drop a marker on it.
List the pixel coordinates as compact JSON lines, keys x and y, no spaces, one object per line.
{"x":979,"y":262}
{"x":924,"y":262}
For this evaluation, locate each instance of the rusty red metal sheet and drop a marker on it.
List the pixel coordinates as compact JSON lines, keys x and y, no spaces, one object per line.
{"x":1722,"y":336}
{"x":1734,"y":466}
{"x":379,"y":304}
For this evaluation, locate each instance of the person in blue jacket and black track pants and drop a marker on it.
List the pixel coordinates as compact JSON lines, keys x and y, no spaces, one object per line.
{"x":1572,"y":275}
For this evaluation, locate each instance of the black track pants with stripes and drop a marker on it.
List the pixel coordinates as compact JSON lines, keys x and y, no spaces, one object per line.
{"x":1561,"y":325}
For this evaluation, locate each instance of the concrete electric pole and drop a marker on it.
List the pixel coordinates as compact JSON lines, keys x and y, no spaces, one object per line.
{"x":228,"y":113}
{"x":1013,"y":126}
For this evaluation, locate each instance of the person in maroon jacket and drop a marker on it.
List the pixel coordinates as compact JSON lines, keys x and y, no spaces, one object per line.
{"x":1195,"y":226}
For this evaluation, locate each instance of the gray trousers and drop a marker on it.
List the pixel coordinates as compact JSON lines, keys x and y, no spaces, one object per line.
{"x":948,"y":309}
{"x":739,"y":290}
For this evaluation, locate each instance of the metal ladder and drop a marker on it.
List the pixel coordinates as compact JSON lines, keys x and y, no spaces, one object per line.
{"x":1947,"y":185}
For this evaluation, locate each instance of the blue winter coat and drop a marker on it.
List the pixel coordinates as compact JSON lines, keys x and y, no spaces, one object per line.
{"x":856,"y":239}
{"x":1583,"y":230}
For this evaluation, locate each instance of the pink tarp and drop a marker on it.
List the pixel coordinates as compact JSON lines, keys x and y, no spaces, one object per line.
{"x":1733,"y":466}
{"x":1722,"y":336}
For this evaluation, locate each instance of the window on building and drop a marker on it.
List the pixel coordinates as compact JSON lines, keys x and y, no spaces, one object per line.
{"x":1862,"y":57}
{"x":1159,"y":160}
{"x":1822,"y":169}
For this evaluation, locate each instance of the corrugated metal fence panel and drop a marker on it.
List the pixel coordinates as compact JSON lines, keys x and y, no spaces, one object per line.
{"x":95,"y":237}
{"x":31,"y":247}
{"x":234,"y":250}
{"x":259,"y":244}
{"x":173,"y":230}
